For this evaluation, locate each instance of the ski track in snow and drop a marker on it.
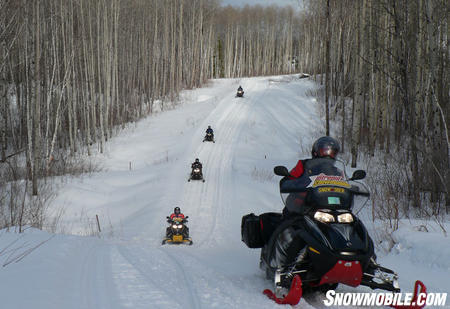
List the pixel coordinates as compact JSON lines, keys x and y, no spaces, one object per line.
{"x":274,"y":124}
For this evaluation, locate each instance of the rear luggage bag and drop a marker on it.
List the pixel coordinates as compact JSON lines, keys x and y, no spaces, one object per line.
{"x":257,"y":230}
{"x":269,"y":222}
{"x":251,"y":233}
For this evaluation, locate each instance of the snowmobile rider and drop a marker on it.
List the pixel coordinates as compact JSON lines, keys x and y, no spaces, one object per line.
{"x":176,"y":213}
{"x":210,"y":131}
{"x":324,"y":150}
{"x":287,"y":242}
{"x":197,"y":164}
{"x":240,"y":92}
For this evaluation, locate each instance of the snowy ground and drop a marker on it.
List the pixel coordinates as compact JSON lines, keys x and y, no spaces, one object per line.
{"x":274,"y":124}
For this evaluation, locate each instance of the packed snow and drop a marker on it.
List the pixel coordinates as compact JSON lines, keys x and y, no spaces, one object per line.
{"x":144,"y":176}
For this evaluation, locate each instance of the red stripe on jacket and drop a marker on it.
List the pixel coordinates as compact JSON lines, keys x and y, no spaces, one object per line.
{"x":298,"y":170}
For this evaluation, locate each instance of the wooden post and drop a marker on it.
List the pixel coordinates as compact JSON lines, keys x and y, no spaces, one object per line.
{"x":98,"y":224}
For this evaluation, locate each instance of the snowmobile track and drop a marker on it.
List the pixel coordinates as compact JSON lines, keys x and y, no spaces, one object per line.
{"x":193,"y":295}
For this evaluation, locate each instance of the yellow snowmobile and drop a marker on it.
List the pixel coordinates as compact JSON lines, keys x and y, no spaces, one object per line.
{"x":177,"y":232}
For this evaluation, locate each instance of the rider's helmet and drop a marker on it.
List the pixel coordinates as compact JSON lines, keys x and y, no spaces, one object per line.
{"x":176,"y":210}
{"x":209,"y":127}
{"x":197,"y":160}
{"x":325,"y":147}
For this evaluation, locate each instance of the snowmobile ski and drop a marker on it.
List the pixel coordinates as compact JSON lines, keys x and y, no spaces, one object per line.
{"x":294,"y":295}
{"x":414,"y":305}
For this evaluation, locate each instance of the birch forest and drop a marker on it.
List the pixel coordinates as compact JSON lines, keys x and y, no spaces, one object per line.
{"x":72,"y":73}
{"x":391,"y":59}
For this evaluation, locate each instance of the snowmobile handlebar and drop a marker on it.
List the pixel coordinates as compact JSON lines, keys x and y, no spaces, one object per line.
{"x":355,"y":190}
{"x":183,"y":220}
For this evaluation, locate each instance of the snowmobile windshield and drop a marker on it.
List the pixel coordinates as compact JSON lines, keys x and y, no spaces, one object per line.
{"x":322,"y":185}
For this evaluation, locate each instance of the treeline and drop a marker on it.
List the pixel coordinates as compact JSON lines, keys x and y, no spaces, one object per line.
{"x":72,"y":72}
{"x":391,"y":58}
{"x":257,"y":40}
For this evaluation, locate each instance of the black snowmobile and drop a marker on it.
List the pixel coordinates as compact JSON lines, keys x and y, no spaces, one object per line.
{"x":240,"y":93}
{"x":177,"y":232}
{"x":323,"y":245}
{"x":209,"y":137}
{"x":196,"y":174}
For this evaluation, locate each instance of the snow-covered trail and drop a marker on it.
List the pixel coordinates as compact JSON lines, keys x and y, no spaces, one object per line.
{"x":274,"y":124}
{"x":218,"y":270}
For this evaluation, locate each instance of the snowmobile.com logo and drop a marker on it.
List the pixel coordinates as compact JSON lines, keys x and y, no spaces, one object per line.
{"x":384,"y":299}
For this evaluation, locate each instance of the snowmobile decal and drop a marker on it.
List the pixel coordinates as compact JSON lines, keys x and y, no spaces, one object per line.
{"x":328,"y":189}
{"x":326,"y":180}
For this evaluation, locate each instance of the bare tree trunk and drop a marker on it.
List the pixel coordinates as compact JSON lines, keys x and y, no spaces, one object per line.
{"x":327,"y":70}
{"x":37,"y":101}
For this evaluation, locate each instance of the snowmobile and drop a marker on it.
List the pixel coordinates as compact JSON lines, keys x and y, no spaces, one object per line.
{"x":177,"y":232}
{"x":240,"y":94}
{"x":325,"y":244}
{"x":196,"y":174}
{"x":209,"y":137}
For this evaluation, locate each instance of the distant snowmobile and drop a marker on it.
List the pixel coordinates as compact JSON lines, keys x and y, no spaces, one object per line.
{"x":209,"y":137}
{"x":177,"y":232}
{"x":322,"y":246}
{"x":196,"y":173}
{"x":240,"y":92}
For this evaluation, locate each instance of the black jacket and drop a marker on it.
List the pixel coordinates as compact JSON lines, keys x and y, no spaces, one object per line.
{"x":196,"y":165}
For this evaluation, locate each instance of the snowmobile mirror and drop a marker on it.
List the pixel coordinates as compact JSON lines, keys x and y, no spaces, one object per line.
{"x":186,"y":217}
{"x":168,"y":217}
{"x":358,"y":174}
{"x":281,"y":171}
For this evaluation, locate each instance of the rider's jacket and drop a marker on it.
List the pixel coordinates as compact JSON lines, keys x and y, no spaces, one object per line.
{"x":174,"y":215}
{"x":196,"y":165}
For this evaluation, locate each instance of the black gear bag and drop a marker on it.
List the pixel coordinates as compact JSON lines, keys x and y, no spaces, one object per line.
{"x":257,"y":230}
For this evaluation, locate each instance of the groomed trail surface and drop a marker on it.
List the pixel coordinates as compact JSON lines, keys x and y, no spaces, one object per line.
{"x":274,"y":124}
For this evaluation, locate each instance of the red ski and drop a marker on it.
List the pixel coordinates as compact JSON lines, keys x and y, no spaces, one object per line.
{"x":414,"y":305}
{"x":294,"y":295}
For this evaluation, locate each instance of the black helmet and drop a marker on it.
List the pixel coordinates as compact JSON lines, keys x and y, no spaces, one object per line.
{"x":197,"y":160}
{"x":176,"y":210}
{"x":209,"y":127}
{"x":325,"y":147}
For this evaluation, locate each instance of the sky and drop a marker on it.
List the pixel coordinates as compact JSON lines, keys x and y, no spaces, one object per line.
{"x":293,"y":3}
